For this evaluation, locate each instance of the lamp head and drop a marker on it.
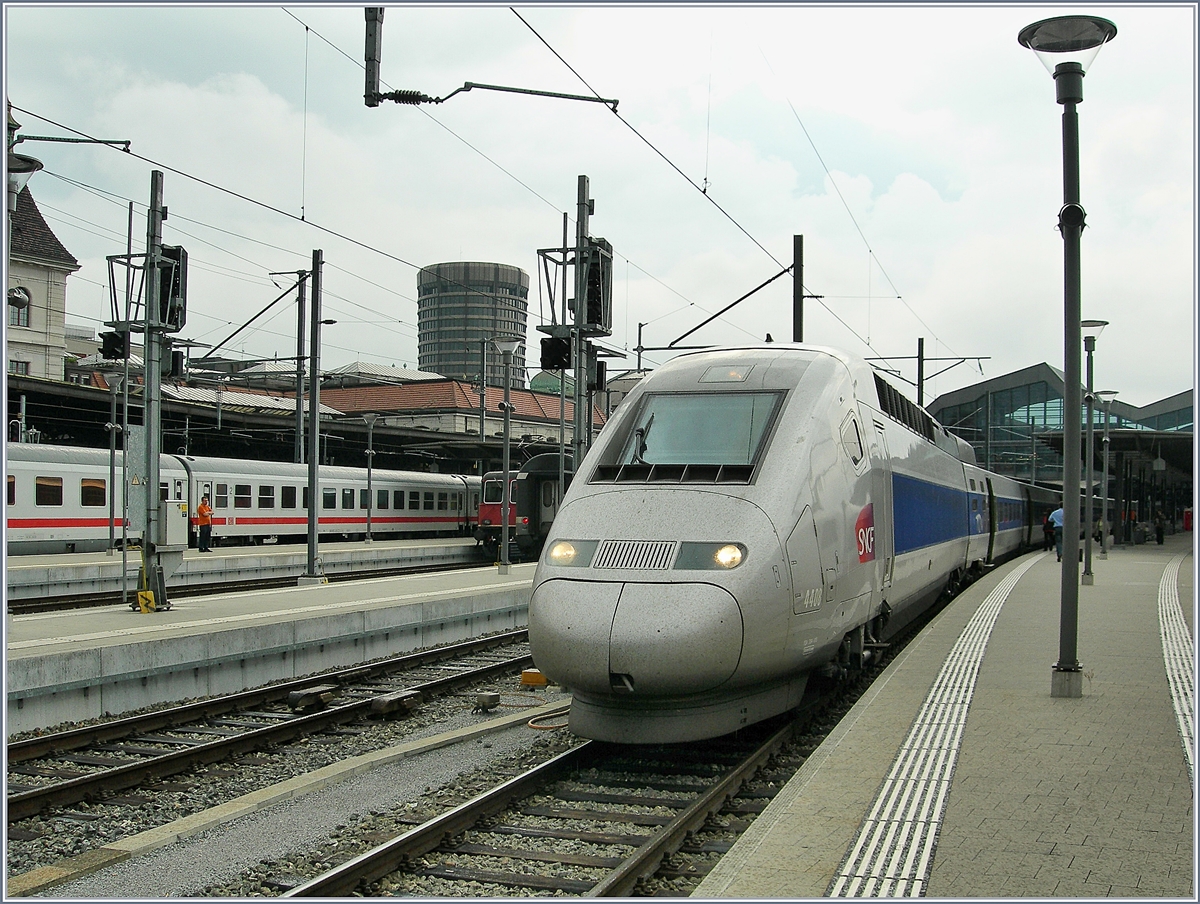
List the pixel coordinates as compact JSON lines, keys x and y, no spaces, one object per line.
{"x":1067,"y":39}
{"x":507,"y":345}
{"x":1091,"y":329}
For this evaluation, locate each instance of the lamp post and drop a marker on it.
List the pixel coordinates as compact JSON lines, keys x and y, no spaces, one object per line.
{"x":370,"y":419}
{"x":1106,"y":401}
{"x":1074,"y":40}
{"x":507,"y":347}
{"x":1091,"y":330}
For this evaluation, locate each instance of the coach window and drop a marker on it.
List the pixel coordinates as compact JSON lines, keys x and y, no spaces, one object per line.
{"x":12,"y":490}
{"x":347,"y":497}
{"x":164,"y":491}
{"x":443,"y":501}
{"x":852,"y":441}
{"x":266,"y":497}
{"x":241,"y":496}
{"x":221,"y":497}
{"x":287,"y":497}
{"x":304,"y":499}
{"x":364,"y":499}
{"x":398,"y":499}
{"x":429,"y":502}
{"x":381,"y":499}
{"x":92,"y":492}
{"x":414,"y":500}
{"x":455,"y":502}
{"x":329,"y":499}
{"x":48,"y":491}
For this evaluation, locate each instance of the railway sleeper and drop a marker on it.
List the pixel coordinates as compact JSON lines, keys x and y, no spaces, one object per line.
{"x":489,"y":850}
{"x":511,"y":880}
{"x":313,"y":698}
{"x":589,"y":837}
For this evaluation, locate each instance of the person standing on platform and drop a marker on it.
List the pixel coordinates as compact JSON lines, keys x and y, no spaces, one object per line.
{"x":1160,"y":526}
{"x":204,"y":522}
{"x":1056,"y":518}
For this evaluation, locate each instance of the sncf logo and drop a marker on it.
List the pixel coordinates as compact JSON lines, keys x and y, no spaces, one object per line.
{"x":864,"y":533}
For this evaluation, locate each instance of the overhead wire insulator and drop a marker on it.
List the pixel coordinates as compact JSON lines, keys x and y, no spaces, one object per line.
{"x":408,"y":97}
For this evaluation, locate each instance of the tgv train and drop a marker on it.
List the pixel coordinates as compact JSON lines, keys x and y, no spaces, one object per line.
{"x":750,"y":517}
{"x":58,"y":499}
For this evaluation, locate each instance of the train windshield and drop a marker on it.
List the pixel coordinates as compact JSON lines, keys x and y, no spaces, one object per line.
{"x":711,"y":428}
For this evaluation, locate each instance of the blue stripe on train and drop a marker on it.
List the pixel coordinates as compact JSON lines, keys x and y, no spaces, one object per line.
{"x":926,"y":513}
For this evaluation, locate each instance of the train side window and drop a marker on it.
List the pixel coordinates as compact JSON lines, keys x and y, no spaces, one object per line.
{"x":548,"y":494}
{"x":455,"y":502}
{"x":12,"y":490}
{"x":266,"y":497}
{"x":164,"y":491}
{"x":414,"y":500}
{"x":381,"y":499}
{"x":429,"y":501}
{"x":443,"y":501}
{"x":287,"y":497}
{"x":347,"y":497}
{"x":398,"y":499}
{"x":851,"y":441}
{"x":48,"y":491}
{"x":304,"y":499}
{"x":364,"y":499}
{"x":221,"y":497}
{"x":92,"y":491}
{"x":329,"y":499}
{"x":241,"y":496}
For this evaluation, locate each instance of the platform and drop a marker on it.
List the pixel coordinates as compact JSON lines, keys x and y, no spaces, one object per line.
{"x":82,"y":663}
{"x":958,"y":775}
{"x":66,"y":574}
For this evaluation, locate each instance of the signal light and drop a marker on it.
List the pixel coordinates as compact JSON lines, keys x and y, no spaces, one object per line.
{"x":114,"y":345}
{"x":556,"y":354}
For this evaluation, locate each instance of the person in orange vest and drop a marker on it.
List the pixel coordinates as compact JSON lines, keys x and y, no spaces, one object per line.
{"x":204,"y":522}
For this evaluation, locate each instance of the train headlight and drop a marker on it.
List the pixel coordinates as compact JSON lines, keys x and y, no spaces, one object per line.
{"x":728,"y":556}
{"x":571,"y":553}
{"x":710,"y":556}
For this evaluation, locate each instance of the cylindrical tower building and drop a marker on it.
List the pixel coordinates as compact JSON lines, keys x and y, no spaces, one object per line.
{"x":462,"y":304}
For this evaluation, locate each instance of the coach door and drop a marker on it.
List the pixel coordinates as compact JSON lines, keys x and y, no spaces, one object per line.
{"x":881,"y":492}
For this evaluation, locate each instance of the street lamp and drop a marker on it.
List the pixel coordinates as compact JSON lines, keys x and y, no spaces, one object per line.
{"x":507,"y":346}
{"x":1074,"y":40}
{"x":370,"y":419}
{"x":1106,"y":400}
{"x":1091,"y":330}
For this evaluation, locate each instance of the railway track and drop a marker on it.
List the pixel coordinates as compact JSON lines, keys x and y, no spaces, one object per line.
{"x":110,"y":598}
{"x":89,"y":763}
{"x":631,"y":808}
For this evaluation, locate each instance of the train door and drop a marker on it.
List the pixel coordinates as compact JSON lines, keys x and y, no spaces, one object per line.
{"x":991,"y":516}
{"x":881,"y":492}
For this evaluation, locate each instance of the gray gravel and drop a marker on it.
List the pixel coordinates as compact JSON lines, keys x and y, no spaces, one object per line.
{"x":218,"y":856}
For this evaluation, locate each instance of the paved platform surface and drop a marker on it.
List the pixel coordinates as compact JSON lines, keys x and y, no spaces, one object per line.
{"x":959,"y":775}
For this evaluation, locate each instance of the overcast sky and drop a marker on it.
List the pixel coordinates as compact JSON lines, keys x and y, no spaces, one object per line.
{"x":917,"y":149}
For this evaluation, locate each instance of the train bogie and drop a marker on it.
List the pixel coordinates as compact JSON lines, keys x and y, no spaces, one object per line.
{"x":749,"y":518}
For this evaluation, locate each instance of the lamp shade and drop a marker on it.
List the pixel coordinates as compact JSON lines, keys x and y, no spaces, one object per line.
{"x":507,"y":345}
{"x":1067,"y":39}
{"x":1091,"y":329}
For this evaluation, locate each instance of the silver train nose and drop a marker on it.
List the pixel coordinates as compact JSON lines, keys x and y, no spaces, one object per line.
{"x":640,"y":639}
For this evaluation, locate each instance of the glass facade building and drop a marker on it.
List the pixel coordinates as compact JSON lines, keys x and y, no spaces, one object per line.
{"x":462,"y":304}
{"x":1005,"y":418}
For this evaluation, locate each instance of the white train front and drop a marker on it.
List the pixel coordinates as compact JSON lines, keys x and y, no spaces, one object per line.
{"x":751,"y":515}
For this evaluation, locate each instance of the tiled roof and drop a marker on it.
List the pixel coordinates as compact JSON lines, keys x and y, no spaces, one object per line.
{"x":32,"y":238}
{"x":446,"y":395}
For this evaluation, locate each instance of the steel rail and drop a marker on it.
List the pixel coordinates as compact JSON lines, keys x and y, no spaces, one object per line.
{"x":76,"y":738}
{"x":342,"y":880}
{"x":29,"y":803}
